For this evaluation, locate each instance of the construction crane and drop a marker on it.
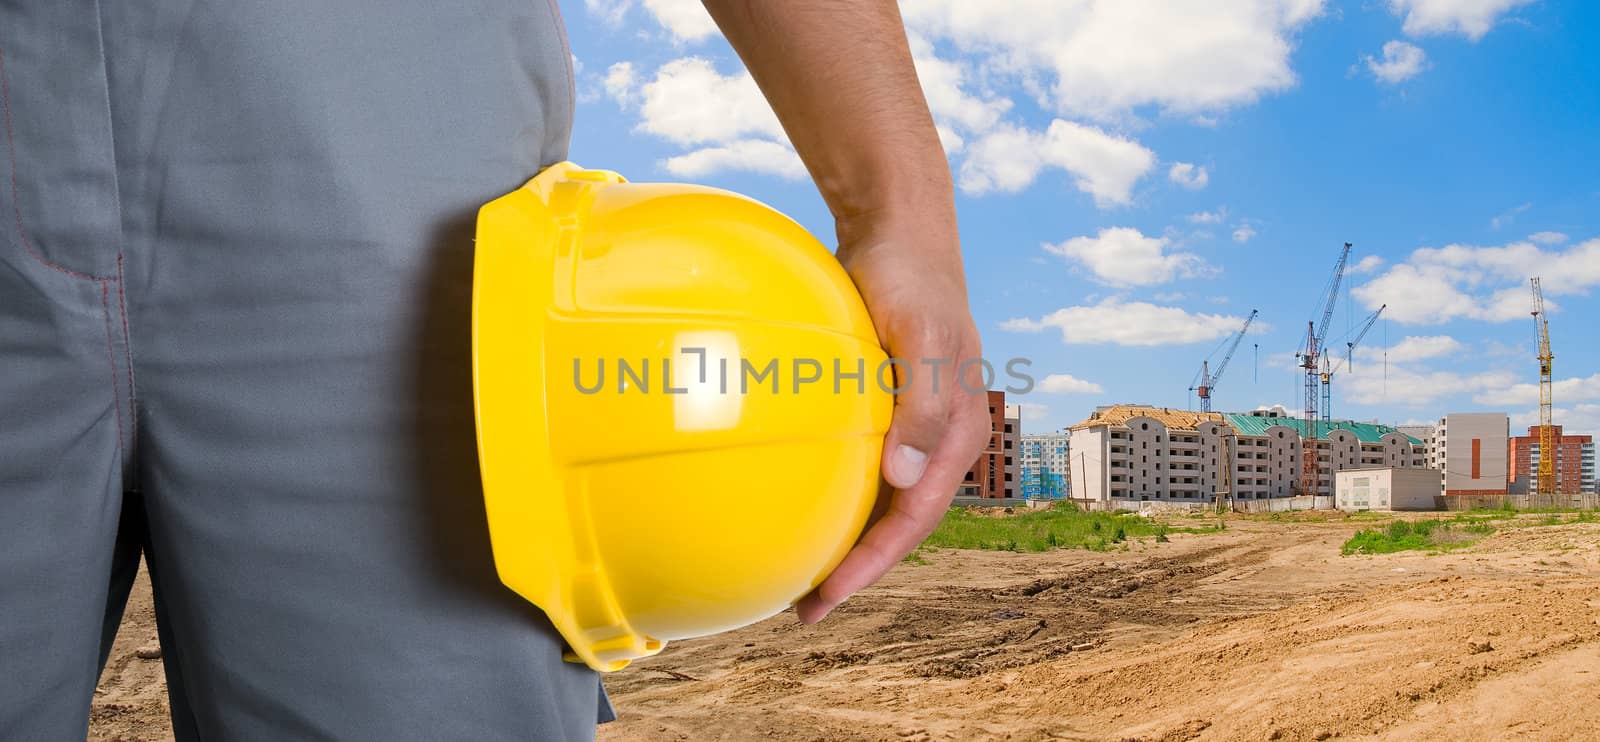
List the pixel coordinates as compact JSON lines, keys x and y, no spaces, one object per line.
{"x":1208,"y":381}
{"x":1310,"y":360}
{"x":1329,"y":369}
{"x":1545,"y":482}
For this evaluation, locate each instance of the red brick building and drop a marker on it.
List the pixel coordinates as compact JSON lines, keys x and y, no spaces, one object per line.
{"x":992,"y":475}
{"x":1574,"y":462}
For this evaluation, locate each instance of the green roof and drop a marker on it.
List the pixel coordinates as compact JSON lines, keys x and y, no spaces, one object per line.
{"x":1365,"y":432}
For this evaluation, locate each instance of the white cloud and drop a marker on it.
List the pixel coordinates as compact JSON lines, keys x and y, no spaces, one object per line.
{"x":1138,"y":323}
{"x":1244,"y":233}
{"x":1124,"y":257}
{"x":1209,"y":217}
{"x":1067,"y":384}
{"x":944,"y":84}
{"x":1548,"y":238}
{"x":1401,"y":61}
{"x":1408,"y":386}
{"x":620,"y":84}
{"x":723,"y":119}
{"x":686,"y":20}
{"x":1508,"y":216}
{"x":1009,"y":158}
{"x":609,"y":11}
{"x":690,"y":103}
{"x":1579,"y":419}
{"x":1096,"y":59}
{"x":749,"y":155}
{"x":1436,"y":285}
{"x":1566,"y":390}
{"x":1104,"y":58}
{"x":1413,"y":348}
{"x":1032,"y":411}
{"x":1367,"y":264}
{"x":1100,"y":59}
{"x":1189,"y":175}
{"x":1470,"y":18}
{"x":1284,"y":361}
{"x":1169,"y":296}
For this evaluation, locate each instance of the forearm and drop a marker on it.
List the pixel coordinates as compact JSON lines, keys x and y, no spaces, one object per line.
{"x":839,"y":75}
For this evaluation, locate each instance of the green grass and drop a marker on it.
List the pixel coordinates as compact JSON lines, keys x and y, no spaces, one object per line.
{"x":1418,"y":535}
{"x":1462,"y":529}
{"x":1062,"y":526}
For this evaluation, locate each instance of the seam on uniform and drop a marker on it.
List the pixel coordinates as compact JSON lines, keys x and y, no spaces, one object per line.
{"x":16,"y":201}
{"x":111,"y":354}
{"x":127,"y":349}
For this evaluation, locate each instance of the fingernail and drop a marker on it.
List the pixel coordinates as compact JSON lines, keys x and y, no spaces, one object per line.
{"x":807,"y":610}
{"x":908,"y":466}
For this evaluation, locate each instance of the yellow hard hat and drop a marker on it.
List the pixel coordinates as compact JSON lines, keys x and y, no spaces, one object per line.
{"x":681,"y":404}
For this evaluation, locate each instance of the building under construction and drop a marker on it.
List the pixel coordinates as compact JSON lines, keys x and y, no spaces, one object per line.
{"x":1136,"y":452}
{"x":994,"y":475}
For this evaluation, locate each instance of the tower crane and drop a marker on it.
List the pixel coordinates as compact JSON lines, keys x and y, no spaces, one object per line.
{"x":1329,"y":369}
{"x":1545,"y":483}
{"x":1310,"y":360}
{"x":1209,"y":381}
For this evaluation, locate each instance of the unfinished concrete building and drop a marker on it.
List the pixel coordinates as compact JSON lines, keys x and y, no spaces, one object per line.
{"x":1134,"y":452}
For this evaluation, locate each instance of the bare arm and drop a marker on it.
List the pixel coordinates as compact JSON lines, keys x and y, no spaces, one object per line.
{"x":839,"y":75}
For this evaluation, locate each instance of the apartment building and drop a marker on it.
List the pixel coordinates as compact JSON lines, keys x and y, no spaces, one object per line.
{"x":994,"y":475}
{"x":1011,"y":444}
{"x":1045,"y":462}
{"x":1471,"y":449}
{"x":1574,"y":461}
{"x":1136,"y":452}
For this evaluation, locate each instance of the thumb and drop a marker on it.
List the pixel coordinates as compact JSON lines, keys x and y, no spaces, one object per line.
{"x":920,"y":415}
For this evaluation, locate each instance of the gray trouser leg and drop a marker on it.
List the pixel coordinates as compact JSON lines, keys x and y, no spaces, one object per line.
{"x":61,"y":478}
{"x":244,"y":295}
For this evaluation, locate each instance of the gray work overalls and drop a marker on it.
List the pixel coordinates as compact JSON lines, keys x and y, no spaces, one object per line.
{"x":235,"y":272}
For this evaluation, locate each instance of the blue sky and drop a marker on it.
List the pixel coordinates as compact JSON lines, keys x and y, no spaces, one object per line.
{"x":1135,"y":176}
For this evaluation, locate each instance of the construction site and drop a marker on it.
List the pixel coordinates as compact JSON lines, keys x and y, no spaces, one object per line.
{"x":1271,"y":459}
{"x":1159,"y":589}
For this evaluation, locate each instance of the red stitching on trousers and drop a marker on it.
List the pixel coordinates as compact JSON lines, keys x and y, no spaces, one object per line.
{"x":16,"y":203}
{"x":127,"y":349}
{"x":111,"y":353}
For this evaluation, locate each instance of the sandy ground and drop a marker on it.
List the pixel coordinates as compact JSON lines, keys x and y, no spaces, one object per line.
{"x":1261,"y":632}
{"x":130,"y":705}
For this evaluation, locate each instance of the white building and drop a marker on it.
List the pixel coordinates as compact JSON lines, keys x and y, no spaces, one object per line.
{"x":1131,"y":452}
{"x":1470,"y":449}
{"x":1386,"y":488}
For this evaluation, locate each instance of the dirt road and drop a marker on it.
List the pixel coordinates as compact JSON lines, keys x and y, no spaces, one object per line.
{"x":1260,"y":632}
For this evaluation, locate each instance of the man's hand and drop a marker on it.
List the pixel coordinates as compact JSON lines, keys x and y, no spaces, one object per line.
{"x":839,"y":75}
{"x":910,"y":275}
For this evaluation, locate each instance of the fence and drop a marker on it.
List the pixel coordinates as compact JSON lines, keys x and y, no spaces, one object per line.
{"x":1270,"y":505}
{"x":989,"y":502}
{"x":1583,"y":501}
{"x":1284,"y":504}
